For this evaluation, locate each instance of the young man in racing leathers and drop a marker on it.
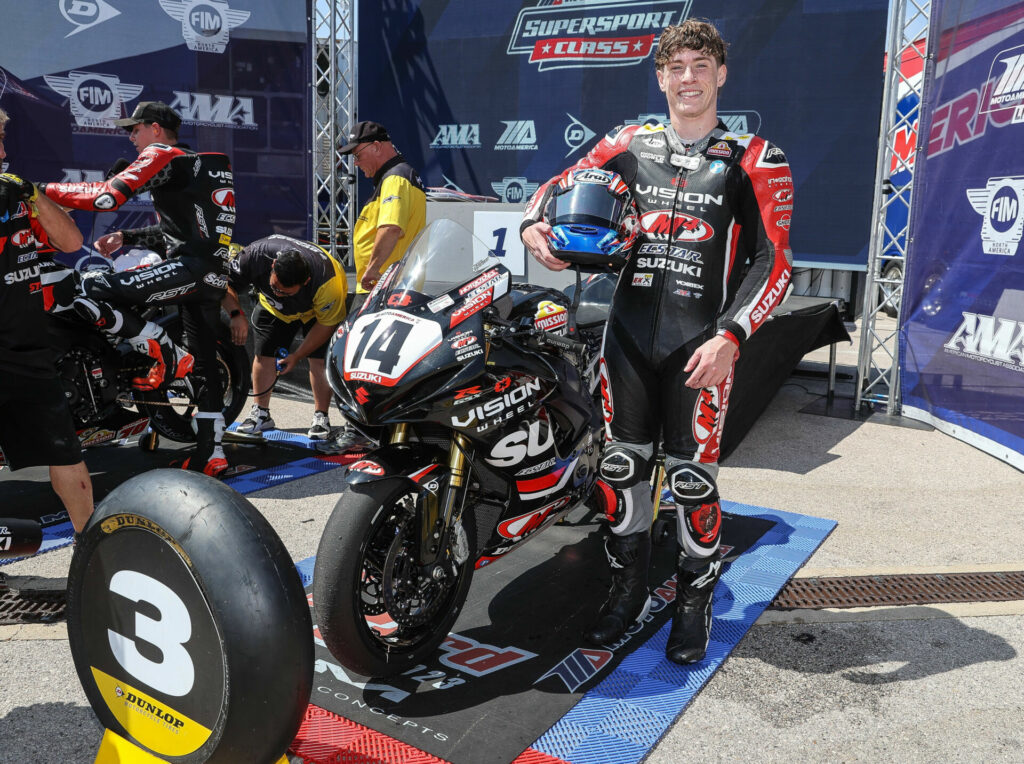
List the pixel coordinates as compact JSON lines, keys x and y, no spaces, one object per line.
{"x":194,"y":197}
{"x":711,"y":261}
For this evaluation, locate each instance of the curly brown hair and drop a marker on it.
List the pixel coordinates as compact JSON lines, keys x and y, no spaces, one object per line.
{"x":693,"y":34}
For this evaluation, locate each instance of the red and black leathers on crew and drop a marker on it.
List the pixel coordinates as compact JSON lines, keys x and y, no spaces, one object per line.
{"x":193,"y":194}
{"x":712,"y":257}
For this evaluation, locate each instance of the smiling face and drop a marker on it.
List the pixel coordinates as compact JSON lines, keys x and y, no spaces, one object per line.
{"x":690,"y":81}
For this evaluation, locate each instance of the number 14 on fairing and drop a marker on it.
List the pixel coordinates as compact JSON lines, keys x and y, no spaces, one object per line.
{"x":387,"y":344}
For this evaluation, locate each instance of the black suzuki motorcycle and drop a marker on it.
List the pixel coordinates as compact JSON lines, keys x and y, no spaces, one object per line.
{"x":491,"y":431}
{"x":96,"y":371}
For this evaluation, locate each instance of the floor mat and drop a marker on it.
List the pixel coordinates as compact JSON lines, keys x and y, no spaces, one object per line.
{"x":514,"y":681}
{"x":284,"y":457}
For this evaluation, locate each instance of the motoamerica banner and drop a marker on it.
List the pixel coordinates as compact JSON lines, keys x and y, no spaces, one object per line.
{"x":962,"y":342}
{"x":237,"y":71}
{"x":495,"y":98}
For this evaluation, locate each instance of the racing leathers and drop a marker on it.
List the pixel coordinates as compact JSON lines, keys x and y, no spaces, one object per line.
{"x":711,"y":257}
{"x":193,"y":194}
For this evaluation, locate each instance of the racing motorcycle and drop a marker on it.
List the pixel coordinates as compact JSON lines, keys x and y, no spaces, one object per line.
{"x":96,"y":370}
{"x":490,"y":431}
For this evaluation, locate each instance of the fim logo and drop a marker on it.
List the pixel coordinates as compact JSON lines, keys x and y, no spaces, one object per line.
{"x":519,"y":135}
{"x":86,"y":13}
{"x":514,"y":190}
{"x":95,"y":99}
{"x":999,"y":204}
{"x":1008,"y":71}
{"x":214,"y":110}
{"x":457,"y":137}
{"x":204,"y":23}
{"x":576,"y":134}
{"x":579,"y":667}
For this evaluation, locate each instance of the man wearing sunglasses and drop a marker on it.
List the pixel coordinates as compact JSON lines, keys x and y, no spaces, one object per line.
{"x":300,"y":287}
{"x":394,"y":214}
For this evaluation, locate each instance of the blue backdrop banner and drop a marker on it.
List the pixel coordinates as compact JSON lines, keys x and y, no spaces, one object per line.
{"x":497,"y":101}
{"x":237,"y":72}
{"x":962,"y":340}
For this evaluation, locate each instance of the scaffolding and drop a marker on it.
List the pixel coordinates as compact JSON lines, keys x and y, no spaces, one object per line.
{"x":878,"y":357}
{"x":334,"y":111}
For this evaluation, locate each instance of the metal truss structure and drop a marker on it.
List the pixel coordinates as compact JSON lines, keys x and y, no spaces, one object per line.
{"x":878,"y":357}
{"x":334,"y":111}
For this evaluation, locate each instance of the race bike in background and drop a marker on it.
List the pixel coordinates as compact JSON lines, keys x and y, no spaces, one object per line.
{"x":491,"y":432}
{"x":96,"y":370}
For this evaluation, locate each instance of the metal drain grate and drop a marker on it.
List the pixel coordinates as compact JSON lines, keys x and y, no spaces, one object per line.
{"x":911,"y":589}
{"x":20,"y":607}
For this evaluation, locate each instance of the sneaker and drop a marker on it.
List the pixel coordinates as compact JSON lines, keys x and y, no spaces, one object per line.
{"x":258,"y":421}
{"x":320,"y":428}
{"x":166,"y":358}
{"x":348,"y":439}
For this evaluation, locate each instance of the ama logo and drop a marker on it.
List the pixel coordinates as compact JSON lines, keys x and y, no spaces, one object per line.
{"x":95,"y":99}
{"x":205,"y":24}
{"x":210,"y":110}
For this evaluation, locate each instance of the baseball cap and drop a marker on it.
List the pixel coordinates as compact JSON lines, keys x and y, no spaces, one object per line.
{"x":152,"y":111}
{"x":364,"y":132}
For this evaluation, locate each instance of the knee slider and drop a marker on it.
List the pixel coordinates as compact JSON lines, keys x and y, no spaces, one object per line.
{"x":87,"y":309}
{"x":692,"y":483}
{"x":626,"y":464}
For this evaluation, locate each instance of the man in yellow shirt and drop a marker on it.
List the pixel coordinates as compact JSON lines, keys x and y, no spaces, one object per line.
{"x":393,"y":215}
{"x":300,"y":287}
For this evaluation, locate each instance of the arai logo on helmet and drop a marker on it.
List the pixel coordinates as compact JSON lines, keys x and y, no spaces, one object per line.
{"x":660,"y":224}
{"x":205,"y":23}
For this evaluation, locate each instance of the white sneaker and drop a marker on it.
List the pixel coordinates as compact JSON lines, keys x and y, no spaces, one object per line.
{"x":258,"y":421}
{"x":320,"y":428}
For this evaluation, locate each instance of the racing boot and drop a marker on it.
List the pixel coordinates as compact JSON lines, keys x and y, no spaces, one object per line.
{"x":691,"y":623}
{"x":209,"y":454}
{"x":629,"y":599}
{"x":170,"y":362}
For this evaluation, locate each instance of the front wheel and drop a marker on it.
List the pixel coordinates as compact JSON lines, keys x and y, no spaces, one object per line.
{"x":379,"y":612}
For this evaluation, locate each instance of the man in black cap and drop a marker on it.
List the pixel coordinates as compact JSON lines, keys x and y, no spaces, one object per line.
{"x":194,"y":198}
{"x":394,"y":213}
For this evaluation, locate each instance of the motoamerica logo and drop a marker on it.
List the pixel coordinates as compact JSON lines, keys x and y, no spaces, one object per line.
{"x":214,"y":110}
{"x":1000,"y":205}
{"x":514,"y":190}
{"x":204,"y":23}
{"x":997,"y":341}
{"x":95,"y":99}
{"x":574,"y":35}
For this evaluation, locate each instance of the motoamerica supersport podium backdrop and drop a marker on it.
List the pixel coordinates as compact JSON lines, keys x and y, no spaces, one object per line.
{"x":495,"y":98}
{"x":237,"y":72}
{"x":962,"y":343}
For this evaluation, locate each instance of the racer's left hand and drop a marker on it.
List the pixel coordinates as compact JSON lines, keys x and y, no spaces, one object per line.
{"x":711,"y":363}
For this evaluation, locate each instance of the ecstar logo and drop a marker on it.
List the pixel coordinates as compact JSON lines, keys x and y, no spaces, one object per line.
{"x":1000,"y":205}
{"x":457,"y":137}
{"x":86,"y":13}
{"x":95,"y":99}
{"x":519,"y":135}
{"x":210,"y":110}
{"x":997,"y":341}
{"x":204,"y":23}
{"x":514,"y":190}
{"x":573,"y":35}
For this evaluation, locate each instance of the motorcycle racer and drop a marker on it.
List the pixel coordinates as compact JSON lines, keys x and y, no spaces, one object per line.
{"x":711,"y":261}
{"x":193,"y":195}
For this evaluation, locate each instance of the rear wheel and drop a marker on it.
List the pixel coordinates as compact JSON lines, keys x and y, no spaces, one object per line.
{"x":377,"y":609}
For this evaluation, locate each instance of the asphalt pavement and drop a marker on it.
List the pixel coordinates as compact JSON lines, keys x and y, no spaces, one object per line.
{"x":908,"y":684}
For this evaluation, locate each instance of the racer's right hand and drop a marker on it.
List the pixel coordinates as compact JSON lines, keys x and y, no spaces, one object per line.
{"x":109,"y":243}
{"x":535,"y":239}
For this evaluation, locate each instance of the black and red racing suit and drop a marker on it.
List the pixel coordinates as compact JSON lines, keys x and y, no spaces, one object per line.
{"x":712,"y":257}
{"x":193,"y":194}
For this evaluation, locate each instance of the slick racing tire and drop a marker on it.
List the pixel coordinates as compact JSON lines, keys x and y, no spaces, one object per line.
{"x":188,"y":623}
{"x":364,"y":574}
{"x":175,"y":422}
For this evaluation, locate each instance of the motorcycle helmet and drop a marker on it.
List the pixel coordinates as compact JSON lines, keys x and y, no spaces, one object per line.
{"x":593,"y":220}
